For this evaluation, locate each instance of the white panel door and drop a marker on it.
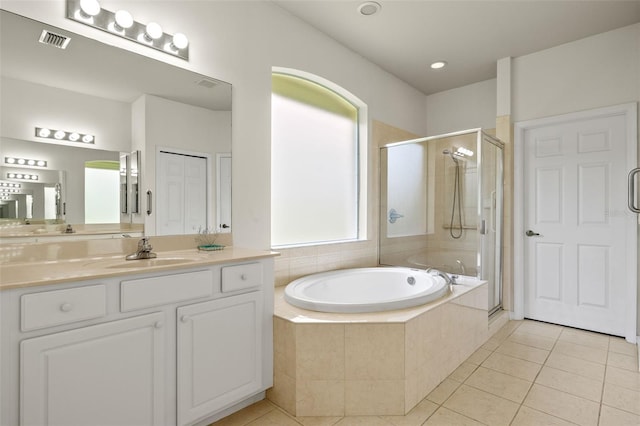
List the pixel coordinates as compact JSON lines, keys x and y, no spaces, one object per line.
{"x":219,"y":354}
{"x":181,"y":205}
{"x":575,"y":263}
{"x":106,"y":374}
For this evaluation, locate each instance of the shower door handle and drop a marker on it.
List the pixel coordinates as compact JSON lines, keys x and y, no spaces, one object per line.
{"x":483,"y":227}
{"x":394,"y":215}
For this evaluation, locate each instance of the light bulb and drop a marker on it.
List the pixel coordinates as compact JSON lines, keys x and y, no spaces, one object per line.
{"x":154,"y":31}
{"x":124,"y":19}
{"x":180,"y":41}
{"x":59,"y":134}
{"x":74,"y":137}
{"x":44,"y":133}
{"x":41,"y":163}
{"x":87,"y":138}
{"x":90,"y":7}
{"x":21,"y":161}
{"x":438,"y":65}
{"x":31,"y":162}
{"x":33,"y":177}
{"x":9,"y":160}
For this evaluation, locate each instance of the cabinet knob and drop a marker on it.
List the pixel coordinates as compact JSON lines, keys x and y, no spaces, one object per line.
{"x":158,"y":324}
{"x":185,"y":318}
{"x":66,"y":307}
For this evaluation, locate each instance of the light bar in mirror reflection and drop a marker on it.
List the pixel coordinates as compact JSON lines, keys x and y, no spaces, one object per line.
{"x":25,"y":162}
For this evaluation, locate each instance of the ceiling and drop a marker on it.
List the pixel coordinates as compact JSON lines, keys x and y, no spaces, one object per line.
{"x":405,"y":37}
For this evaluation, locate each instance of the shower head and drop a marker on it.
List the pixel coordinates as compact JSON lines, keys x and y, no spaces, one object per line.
{"x":452,"y":154}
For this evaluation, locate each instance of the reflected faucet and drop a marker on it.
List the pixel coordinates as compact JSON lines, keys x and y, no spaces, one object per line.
{"x":449,"y":279}
{"x":143,"y":252}
{"x":462,"y":268}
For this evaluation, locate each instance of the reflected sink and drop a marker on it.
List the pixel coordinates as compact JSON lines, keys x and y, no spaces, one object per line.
{"x":144,"y":263}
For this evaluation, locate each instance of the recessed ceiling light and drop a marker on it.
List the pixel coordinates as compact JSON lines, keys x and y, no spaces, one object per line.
{"x":438,"y":65}
{"x":369,"y":8}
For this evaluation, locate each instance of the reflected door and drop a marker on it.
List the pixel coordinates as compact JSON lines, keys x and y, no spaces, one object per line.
{"x":182,"y":194}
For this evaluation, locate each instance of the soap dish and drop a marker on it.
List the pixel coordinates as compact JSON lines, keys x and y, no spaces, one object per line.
{"x":210,"y":247}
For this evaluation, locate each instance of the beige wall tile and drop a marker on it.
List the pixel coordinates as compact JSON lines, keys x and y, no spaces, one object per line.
{"x":320,"y":351}
{"x":374,"y":351}
{"x":570,"y":383}
{"x":320,"y":398}
{"x":284,"y":346}
{"x":283,"y":392}
{"x":482,"y":406}
{"x":560,"y":404}
{"x":374,"y":397}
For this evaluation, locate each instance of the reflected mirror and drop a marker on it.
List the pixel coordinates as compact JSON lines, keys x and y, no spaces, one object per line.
{"x":135,"y":108}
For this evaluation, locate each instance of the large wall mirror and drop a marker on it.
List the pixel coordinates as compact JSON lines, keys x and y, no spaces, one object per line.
{"x":161,"y":149}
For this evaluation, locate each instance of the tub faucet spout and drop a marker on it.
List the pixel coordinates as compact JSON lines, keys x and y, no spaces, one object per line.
{"x":449,"y":279}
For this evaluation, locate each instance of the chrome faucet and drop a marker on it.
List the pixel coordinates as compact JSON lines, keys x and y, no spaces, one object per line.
{"x":449,"y":279}
{"x":143,"y":252}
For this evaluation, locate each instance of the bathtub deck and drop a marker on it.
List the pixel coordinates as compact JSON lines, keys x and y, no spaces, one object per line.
{"x":380,"y":363}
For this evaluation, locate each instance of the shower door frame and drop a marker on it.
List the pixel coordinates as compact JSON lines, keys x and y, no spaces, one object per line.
{"x":481,"y":136}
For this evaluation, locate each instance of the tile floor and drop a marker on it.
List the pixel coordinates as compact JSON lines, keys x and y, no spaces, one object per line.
{"x":528,"y":373}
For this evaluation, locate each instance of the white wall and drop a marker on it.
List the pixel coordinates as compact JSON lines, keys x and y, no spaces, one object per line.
{"x":27,"y":105}
{"x":589,"y":73}
{"x":239,"y":42}
{"x":462,"y":108}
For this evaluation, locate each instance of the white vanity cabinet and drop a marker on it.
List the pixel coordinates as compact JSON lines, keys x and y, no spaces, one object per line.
{"x":110,"y":373}
{"x":219,"y":354}
{"x":179,"y":347}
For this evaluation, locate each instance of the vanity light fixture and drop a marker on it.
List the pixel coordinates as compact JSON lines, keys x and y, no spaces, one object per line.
{"x":62,"y":135}
{"x":123,"y":24}
{"x":9,"y":191}
{"x":4,"y":185}
{"x":22,"y":176}
{"x":25,"y":162}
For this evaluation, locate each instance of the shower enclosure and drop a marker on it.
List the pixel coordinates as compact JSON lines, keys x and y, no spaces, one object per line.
{"x":442,"y":206}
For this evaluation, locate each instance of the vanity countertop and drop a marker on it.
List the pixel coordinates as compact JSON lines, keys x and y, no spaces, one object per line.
{"x":28,"y":274}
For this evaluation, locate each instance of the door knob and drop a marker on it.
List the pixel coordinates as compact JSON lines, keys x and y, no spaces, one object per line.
{"x":530,"y":233}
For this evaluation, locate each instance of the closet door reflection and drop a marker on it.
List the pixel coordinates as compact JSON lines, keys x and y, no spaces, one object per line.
{"x":182,"y":194}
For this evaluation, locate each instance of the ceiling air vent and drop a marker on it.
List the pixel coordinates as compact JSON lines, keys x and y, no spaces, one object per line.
{"x":53,"y":39}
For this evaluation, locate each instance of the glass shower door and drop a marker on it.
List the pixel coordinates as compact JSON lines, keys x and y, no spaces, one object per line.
{"x":490,"y":215}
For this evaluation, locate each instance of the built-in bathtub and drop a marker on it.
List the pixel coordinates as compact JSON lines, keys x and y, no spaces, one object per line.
{"x":365,"y":290}
{"x":378,"y":363}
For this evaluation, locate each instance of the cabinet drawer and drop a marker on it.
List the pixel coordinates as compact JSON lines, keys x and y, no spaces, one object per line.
{"x":46,"y":309}
{"x":156,"y":291}
{"x":241,"y":277}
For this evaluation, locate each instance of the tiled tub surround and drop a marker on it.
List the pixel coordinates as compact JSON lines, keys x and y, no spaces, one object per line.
{"x":380,"y":363}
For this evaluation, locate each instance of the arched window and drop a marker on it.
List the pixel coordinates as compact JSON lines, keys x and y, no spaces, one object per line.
{"x":318,"y":161}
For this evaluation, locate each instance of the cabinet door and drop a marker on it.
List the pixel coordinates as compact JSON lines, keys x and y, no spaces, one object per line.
{"x":219,"y":354}
{"x":106,"y":374}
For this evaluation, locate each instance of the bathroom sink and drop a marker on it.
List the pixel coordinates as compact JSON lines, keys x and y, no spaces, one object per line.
{"x":144,"y":263}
